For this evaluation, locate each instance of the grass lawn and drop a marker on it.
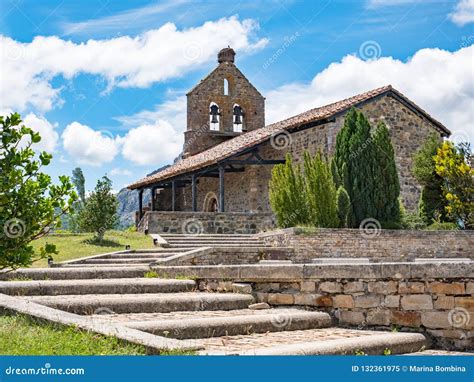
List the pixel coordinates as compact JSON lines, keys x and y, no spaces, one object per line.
{"x":71,"y":246}
{"x":22,"y":335}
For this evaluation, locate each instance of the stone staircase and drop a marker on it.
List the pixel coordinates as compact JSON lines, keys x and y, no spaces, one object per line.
{"x":123,"y":302}
{"x":210,"y":240}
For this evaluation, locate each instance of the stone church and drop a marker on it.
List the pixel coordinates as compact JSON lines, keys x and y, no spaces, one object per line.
{"x":221,"y":182}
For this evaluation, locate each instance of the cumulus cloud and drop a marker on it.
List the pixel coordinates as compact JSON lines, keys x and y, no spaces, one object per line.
{"x":49,"y":136}
{"x":156,"y":55}
{"x":88,"y":146}
{"x":439,"y":81}
{"x":463,"y":13}
{"x":120,"y":172}
{"x":152,"y":144}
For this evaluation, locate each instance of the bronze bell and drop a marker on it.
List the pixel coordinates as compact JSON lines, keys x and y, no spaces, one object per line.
{"x":238,"y":115}
{"x":214,"y":113}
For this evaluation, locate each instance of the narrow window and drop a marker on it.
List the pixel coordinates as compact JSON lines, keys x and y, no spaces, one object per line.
{"x":226,"y":86}
{"x":238,"y":119}
{"x":214,"y":117}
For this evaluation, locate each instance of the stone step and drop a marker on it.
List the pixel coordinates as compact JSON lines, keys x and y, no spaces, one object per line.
{"x":341,"y":260}
{"x":223,"y":245}
{"x":79,"y":271}
{"x":99,"y":286}
{"x":142,"y":255}
{"x":204,"y":241}
{"x":272,"y":320}
{"x":144,"y":303}
{"x":315,"y":342}
{"x":106,"y":265}
{"x":208,"y":235}
{"x":140,"y":260}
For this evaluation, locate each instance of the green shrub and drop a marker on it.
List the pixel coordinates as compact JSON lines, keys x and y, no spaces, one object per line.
{"x":287,"y":195}
{"x":343,"y":206}
{"x":442,"y":226}
{"x":320,"y":191}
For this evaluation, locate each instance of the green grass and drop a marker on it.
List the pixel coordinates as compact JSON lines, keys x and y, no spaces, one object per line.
{"x":22,"y":335}
{"x":72,"y":246}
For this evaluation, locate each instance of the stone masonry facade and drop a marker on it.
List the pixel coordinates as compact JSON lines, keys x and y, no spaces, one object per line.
{"x":199,"y":136}
{"x":248,"y":191}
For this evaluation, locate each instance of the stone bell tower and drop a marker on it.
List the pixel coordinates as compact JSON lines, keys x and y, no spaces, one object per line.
{"x":222,"y":106}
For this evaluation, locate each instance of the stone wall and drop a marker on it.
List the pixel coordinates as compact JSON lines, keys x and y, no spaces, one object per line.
{"x":436,"y":299}
{"x":380,"y":245}
{"x":191,"y":223}
{"x":248,"y":191}
{"x":198,"y":136}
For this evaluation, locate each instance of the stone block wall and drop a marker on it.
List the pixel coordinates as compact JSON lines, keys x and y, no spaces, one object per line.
{"x":381,"y":245}
{"x":205,"y":222}
{"x":435,"y":299}
{"x":442,"y":308}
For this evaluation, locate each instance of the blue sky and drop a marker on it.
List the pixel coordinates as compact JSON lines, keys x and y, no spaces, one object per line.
{"x":104,"y":81}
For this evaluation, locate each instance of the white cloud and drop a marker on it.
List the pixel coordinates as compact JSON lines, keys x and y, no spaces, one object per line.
{"x":385,"y":3}
{"x":172,"y":111}
{"x":88,"y":146}
{"x":463,"y":13}
{"x":154,"y":56}
{"x":120,"y":172}
{"x":121,"y":19}
{"x":49,"y":136}
{"x":152,"y":144}
{"x":439,"y":81}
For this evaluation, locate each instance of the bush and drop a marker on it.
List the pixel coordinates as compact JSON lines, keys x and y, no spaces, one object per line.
{"x":343,"y":206}
{"x":320,"y":191}
{"x":442,"y":226}
{"x":413,"y":220}
{"x":287,"y":195}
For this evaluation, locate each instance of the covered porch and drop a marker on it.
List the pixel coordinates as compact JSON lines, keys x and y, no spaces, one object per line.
{"x":203,"y":190}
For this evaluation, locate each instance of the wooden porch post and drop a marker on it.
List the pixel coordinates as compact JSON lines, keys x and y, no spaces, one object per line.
{"x":153,"y":198}
{"x":140,"y":204}
{"x":194,"y":193}
{"x":221,"y":188}
{"x":173,"y":195}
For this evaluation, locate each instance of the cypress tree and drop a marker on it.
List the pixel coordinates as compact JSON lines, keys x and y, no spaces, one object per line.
{"x":386,"y":185}
{"x":343,"y":206}
{"x":360,"y":167}
{"x":432,"y":203}
{"x":320,"y":191}
{"x":341,"y":158}
{"x":287,"y":194}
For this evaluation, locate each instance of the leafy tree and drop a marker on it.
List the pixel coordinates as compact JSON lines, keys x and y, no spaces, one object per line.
{"x":343,"y":206}
{"x":432,"y":203}
{"x":79,"y":182}
{"x":287,"y":196}
{"x":30,"y":204}
{"x":100,"y":210}
{"x":453,"y":165}
{"x":386,"y":187}
{"x":320,"y":191}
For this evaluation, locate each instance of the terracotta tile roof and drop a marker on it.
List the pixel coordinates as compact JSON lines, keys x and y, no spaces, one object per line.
{"x":242,"y":142}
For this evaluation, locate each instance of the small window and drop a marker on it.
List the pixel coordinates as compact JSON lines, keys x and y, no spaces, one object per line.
{"x":214,"y":117}
{"x":226,"y":86}
{"x":238,"y":119}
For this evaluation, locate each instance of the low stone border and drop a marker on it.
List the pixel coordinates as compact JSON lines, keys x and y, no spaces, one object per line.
{"x":154,"y":344}
{"x":433,"y":298}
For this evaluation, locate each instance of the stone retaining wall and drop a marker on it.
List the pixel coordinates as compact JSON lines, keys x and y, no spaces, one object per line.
{"x":436,"y":299}
{"x":190,"y":223}
{"x":380,"y":245}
